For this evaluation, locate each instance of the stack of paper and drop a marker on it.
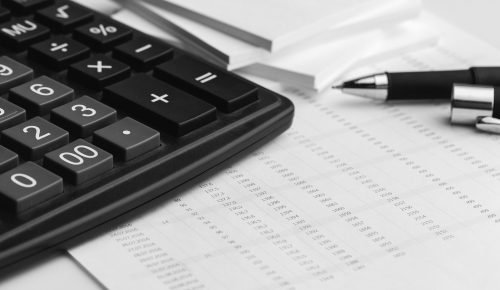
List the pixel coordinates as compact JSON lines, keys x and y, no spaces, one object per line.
{"x":308,"y":44}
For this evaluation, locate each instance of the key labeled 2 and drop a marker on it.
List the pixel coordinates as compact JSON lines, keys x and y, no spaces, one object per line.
{"x":79,"y":161}
{"x":34,"y":138}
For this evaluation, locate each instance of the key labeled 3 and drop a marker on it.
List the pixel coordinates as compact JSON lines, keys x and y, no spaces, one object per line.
{"x":83,"y":116}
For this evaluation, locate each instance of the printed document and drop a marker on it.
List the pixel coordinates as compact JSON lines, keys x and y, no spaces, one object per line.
{"x":357,"y":194}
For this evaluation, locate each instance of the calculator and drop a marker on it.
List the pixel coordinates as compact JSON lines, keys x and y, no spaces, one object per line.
{"x":98,"y":119}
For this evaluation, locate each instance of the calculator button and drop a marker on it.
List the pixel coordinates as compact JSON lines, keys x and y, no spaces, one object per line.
{"x":8,"y":159}
{"x":102,"y":34}
{"x":64,"y":16}
{"x":19,"y":33}
{"x":13,"y":73}
{"x":25,"y":6}
{"x":83,"y":116}
{"x":225,"y":91}
{"x":4,"y":14}
{"x":33,"y":138}
{"x":58,"y":52}
{"x":167,"y":107}
{"x":10,"y":114}
{"x":41,"y":95}
{"x":127,"y":139}
{"x":79,"y":161}
{"x":143,"y":53}
{"x":98,"y":71}
{"x":27,"y":186}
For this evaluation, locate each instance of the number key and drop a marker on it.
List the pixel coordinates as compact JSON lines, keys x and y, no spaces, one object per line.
{"x":41,"y":95}
{"x":34,"y":138}
{"x":27,"y":186}
{"x":79,"y":161}
{"x":13,"y":73}
{"x":10,"y":114}
{"x":83,"y":116}
{"x":8,"y":159}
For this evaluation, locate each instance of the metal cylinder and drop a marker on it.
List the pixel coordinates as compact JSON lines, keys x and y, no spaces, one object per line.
{"x":468,"y":102}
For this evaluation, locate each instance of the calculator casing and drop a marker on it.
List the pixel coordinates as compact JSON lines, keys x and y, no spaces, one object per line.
{"x":180,"y":162}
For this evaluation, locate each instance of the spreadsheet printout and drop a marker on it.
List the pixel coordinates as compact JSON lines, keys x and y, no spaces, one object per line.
{"x":356,"y":194}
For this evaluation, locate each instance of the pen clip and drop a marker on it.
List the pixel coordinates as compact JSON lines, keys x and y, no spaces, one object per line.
{"x":488,"y":124}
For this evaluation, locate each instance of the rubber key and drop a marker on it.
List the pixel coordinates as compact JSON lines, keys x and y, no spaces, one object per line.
{"x":27,"y":186}
{"x":225,"y":91}
{"x":79,"y":161}
{"x":160,"y":104}
{"x":13,"y":73}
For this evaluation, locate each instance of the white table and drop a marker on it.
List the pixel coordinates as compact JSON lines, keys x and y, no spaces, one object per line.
{"x":62,"y":272}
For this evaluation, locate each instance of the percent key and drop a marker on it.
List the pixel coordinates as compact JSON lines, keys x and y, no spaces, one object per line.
{"x":102,"y":35}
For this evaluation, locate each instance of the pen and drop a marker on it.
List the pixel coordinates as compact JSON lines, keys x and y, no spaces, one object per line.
{"x":475,"y":104}
{"x":418,"y":85}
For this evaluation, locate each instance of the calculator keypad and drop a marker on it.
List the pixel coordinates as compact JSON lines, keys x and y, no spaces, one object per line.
{"x":69,"y":123}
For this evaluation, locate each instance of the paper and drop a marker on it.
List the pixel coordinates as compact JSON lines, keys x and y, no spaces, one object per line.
{"x":128,"y":16}
{"x":321,"y":62}
{"x":356,"y":195}
{"x":236,"y":53}
{"x":272,"y":25}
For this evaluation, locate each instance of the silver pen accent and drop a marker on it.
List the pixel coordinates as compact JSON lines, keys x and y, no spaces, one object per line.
{"x":372,"y":87}
{"x":468,"y":102}
{"x":488,"y":124}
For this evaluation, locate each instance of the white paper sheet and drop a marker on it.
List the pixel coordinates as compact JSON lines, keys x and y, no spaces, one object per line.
{"x":236,"y":53}
{"x":272,"y":25}
{"x":316,"y":65}
{"x":356,"y":195}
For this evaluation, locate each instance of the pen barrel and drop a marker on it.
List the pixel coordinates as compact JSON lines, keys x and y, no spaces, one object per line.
{"x":496,"y":103}
{"x":425,"y":85}
{"x":487,"y":76}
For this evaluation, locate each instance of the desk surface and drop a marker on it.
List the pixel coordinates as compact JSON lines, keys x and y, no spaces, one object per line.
{"x":477,"y":17}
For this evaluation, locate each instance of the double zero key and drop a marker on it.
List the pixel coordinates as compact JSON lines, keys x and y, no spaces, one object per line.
{"x":168,"y":108}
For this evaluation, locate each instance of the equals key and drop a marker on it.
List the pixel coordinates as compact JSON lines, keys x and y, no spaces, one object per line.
{"x":222,"y":89}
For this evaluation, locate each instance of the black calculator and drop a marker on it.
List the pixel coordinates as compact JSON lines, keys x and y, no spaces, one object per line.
{"x":98,"y":119}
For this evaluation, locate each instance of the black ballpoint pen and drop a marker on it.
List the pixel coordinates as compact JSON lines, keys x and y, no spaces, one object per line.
{"x":418,"y":85}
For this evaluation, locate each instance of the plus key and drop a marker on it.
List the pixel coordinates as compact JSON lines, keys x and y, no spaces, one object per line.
{"x":165,"y":107}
